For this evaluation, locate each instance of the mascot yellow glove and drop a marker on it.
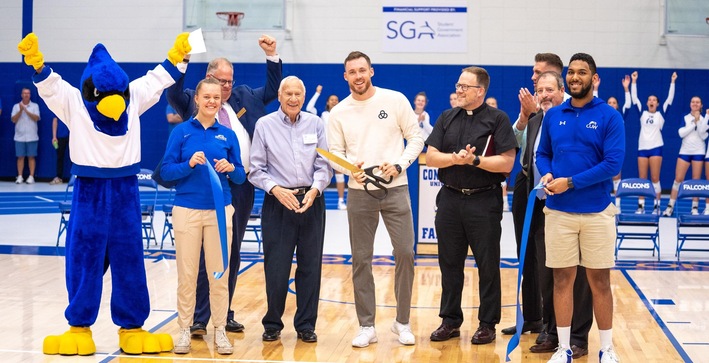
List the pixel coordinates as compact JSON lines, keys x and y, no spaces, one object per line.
{"x":180,"y":49}
{"x":29,"y":47}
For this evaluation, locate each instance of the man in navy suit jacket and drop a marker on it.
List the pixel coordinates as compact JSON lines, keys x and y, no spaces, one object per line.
{"x":242,"y":106}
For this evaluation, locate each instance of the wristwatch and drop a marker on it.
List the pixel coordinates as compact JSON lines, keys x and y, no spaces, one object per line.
{"x":570,"y":183}
{"x":398,"y":168}
{"x":476,"y":161}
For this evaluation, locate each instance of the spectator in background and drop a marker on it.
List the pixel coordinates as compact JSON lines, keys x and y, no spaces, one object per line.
{"x":332,"y":100}
{"x":25,"y":116}
{"x":60,"y":141}
{"x":491,"y":101}
{"x":694,"y":134}
{"x":424,"y":120}
{"x":173,"y":118}
{"x":453,"y":99}
{"x":650,"y":140}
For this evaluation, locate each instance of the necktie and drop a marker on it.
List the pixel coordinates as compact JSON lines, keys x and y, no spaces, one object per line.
{"x":537,"y":176}
{"x":224,"y":117}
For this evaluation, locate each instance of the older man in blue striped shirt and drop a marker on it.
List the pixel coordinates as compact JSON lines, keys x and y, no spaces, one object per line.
{"x":286,"y":166}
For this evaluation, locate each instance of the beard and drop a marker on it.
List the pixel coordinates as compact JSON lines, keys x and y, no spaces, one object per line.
{"x":366,"y":86}
{"x":585,"y":90}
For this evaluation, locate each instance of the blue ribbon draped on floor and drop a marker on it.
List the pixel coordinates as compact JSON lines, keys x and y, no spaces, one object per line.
{"x":514,"y":341}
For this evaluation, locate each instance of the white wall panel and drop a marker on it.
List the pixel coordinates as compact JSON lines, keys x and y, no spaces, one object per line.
{"x":507,"y":32}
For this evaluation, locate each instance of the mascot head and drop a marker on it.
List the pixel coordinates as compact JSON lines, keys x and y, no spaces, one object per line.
{"x":104,"y":88}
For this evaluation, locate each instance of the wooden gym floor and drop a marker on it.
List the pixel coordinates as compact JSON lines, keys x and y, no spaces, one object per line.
{"x":660,"y":314}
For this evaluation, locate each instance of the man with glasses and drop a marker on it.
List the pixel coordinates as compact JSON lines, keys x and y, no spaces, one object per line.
{"x":242,"y":106}
{"x":474,"y":147}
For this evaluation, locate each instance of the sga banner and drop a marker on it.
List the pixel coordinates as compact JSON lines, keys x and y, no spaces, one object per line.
{"x":424,"y":29}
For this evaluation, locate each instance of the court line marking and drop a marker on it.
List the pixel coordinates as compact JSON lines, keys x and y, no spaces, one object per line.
{"x":657,"y":317}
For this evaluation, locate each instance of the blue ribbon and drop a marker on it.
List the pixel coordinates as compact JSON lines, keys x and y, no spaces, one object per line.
{"x":218,"y":195}
{"x":514,"y":341}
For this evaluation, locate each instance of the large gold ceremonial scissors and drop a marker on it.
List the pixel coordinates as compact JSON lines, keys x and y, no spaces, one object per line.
{"x":370,"y":176}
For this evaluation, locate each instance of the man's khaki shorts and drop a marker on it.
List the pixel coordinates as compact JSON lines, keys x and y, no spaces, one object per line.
{"x":586,"y":239}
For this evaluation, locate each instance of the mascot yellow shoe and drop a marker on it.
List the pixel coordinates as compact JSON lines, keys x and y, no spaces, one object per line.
{"x":139,"y":341}
{"x":77,"y":340}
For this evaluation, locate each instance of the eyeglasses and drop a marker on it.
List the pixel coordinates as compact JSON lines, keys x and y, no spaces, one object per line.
{"x":224,"y":82}
{"x":465,"y":87}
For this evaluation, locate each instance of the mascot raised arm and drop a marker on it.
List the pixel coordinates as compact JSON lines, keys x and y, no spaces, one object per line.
{"x":105,"y":225}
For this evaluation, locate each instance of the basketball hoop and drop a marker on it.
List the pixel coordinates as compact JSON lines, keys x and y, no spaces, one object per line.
{"x":233,"y":20}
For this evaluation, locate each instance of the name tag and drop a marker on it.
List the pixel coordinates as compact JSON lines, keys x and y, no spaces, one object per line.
{"x":310,"y":139}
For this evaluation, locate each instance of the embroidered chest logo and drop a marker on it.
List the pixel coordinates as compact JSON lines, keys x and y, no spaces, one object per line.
{"x":220,"y":137}
{"x":382,"y":115}
{"x":592,"y":125}
{"x":562,"y":123}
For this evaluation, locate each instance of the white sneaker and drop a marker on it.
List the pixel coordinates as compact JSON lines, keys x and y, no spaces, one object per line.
{"x":366,"y":335}
{"x":222,"y":341}
{"x":706,"y":211}
{"x":406,"y":337}
{"x":668,"y":211}
{"x":695,"y":211}
{"x":184,"y":342}
{"x":30,"y":180}
{"x":640,"y":210}
{"x":562,"y":356}
{"x":55,"y":181}
{"x":19,"y":180}
{"x":341,"y":205}
{"x":608,"y":355}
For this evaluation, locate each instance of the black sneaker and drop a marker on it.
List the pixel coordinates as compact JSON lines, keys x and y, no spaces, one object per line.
{"x":198,"y":329}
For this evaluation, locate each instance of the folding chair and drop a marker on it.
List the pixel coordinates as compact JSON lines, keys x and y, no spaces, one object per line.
{"x":167,"y":226}
{"x":689,"y":227}
{"x":65,"y":208}
{"x":254,"y":226}
{"x":148,"y":198}
{"x":632,"y":226}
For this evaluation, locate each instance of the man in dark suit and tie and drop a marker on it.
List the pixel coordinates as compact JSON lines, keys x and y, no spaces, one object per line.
{"x":242,"y":106}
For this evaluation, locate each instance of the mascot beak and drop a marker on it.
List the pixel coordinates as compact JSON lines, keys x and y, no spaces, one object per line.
{"x":112,"y":106}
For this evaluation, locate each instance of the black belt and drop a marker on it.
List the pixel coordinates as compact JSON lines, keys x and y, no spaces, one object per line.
{"x":472,"y":191}
{"x":300,"y":190}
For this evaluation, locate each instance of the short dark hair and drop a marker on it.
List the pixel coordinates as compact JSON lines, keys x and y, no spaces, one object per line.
{"x":585,"y":58}
{"x":550,"y":59}
{"x":356,"y":55}
{"x":481,"y":75}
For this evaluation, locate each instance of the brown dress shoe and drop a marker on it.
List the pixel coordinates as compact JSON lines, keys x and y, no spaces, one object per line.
{"x":483,"y":335}
{"x":578,"y":351}
{"x":445,"y":332}
{"x":544,"y":347}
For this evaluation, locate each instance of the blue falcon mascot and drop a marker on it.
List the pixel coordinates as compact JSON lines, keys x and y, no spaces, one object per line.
{"x":104,"y":228}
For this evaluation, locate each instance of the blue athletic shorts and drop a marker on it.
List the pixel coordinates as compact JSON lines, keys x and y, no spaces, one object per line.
{"x":690,"y":158}
{"x":649,"y":153}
